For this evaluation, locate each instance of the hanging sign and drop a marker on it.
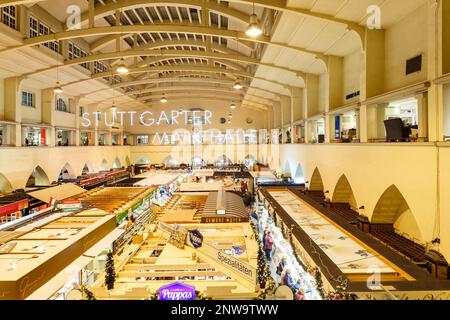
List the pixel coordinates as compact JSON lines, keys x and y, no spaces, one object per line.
{"x":177,"y":291}
{"x":196,"y":238}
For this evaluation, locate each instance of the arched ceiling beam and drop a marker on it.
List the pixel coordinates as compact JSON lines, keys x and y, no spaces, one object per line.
{"x":211,"y":95}
{"x":147,"y":61}
{"x":5,"y":3}
{"x":169,"y":28}
{"x":224,"y":99}
{"x":167,"y":53}
{"x":174,"y":80}
{"x":196,"y":88}
{"x":183,"y":67}
{"x":191,"y":87}
{"x":102,"y":11}
{"x":279,"y":5}
{"x":193,"y":43}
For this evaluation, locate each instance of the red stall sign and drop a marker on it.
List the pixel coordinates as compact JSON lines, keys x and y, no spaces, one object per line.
{"x":13,"y":207}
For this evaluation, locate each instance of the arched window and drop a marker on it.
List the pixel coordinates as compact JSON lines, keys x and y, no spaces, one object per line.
{"x":61,"y":105}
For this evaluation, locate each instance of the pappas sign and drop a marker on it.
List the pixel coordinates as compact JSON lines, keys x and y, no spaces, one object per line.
{"x":196,"y":238}
{"x":177,"y":291}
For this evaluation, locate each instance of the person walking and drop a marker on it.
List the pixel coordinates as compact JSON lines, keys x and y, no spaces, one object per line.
{"x":268,"y":245}
{"x":281,"y":265}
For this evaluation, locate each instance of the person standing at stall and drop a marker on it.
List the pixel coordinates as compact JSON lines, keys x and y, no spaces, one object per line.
{"x":268,"y":245}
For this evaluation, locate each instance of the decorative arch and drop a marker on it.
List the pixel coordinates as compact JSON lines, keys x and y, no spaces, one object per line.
{"x":104,"y":166}
{"x":287,"y":169}
{"x":224,"y":160}
{"x":38,"y":178}
{"x":299,"y":176}
{"x":169,"y":161}
{"x":392,"y":208}
{"x":343,"y":192}
{"x":67,"y":172}
{"x":87,"y":168}
{"x":116,"y":164}
{"x":316,"y":182}
{"x":127,"y":161}
{"x":197,"y":160}
{"x":5,"y":185}
{"x":143,"y":160}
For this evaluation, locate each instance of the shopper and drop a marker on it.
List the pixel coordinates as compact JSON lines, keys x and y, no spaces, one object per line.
{"x":268,"y":245}
{"x":299,"y":295}
{"x":289,"y":281}
{"x":281,"y":265}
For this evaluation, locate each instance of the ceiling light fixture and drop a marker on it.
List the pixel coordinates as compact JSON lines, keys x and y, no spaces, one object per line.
{"x":237,"y":85}
{"x":254,"y":28}
{"x":122,"y":68}
{"x":163,"y":98}
{"x":232,"y":105}
{"x":58,"y":89}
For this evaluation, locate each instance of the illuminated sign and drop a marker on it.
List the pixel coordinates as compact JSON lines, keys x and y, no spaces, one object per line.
{"x":147,"y":118}
{"x":177,"y":291}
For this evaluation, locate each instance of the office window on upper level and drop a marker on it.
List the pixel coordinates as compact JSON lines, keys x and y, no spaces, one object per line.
{"x":38,"y":28}
{"x":8,"y":16}
{"x":76,"y":52}
{"x":28,"y":99}
{"x":142,"y":139}
{"x":61,"y":105}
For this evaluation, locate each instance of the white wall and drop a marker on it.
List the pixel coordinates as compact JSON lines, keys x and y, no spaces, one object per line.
{"x":31,"y":115}
{"x":352,"y":66}
{"x":2,"y":99}
{"x":447,"y":110}
{"x":405,"y":40}
{"x":370,"y":170}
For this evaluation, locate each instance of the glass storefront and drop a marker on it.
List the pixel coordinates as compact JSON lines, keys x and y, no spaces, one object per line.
{"x":34,"y":136}
{"x":86,"y":138}
{"x":318,"y":131}
{"x":2,"y":135}
{"x":102,"y":139}
{"x":115,"y":139}
{"x":346,"y":127}
{"x":63,"y":137}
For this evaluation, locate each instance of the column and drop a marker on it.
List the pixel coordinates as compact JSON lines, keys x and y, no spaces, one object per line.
{"x":12,"y":101}
{"x":77,"y":102}
{"x":363,"y":123}
{"x":48,"y":115}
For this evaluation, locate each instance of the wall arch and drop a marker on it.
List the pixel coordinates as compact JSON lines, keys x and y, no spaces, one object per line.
{"x":116,"y":164}
{"x":299,"y":176}
{"x":67,"y":172}
{"x":169,"y":161}
{"x":197,"y":160}
{"x":143,"y":160}
{"x":127,"y":161}
{"x":104,"y":166}
{"x":5,"y":185}
{"x":392,"y":208}
{"x":224,"y":160}
{"x":343,"y":192}
{"x":87,"y":168}
{"x":38,"y":178}
{"x":287,"y":169}
{"x":316,"y":182}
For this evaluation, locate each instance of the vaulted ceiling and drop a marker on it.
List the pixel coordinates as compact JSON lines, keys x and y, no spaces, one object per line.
{"x":199,"y":48}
